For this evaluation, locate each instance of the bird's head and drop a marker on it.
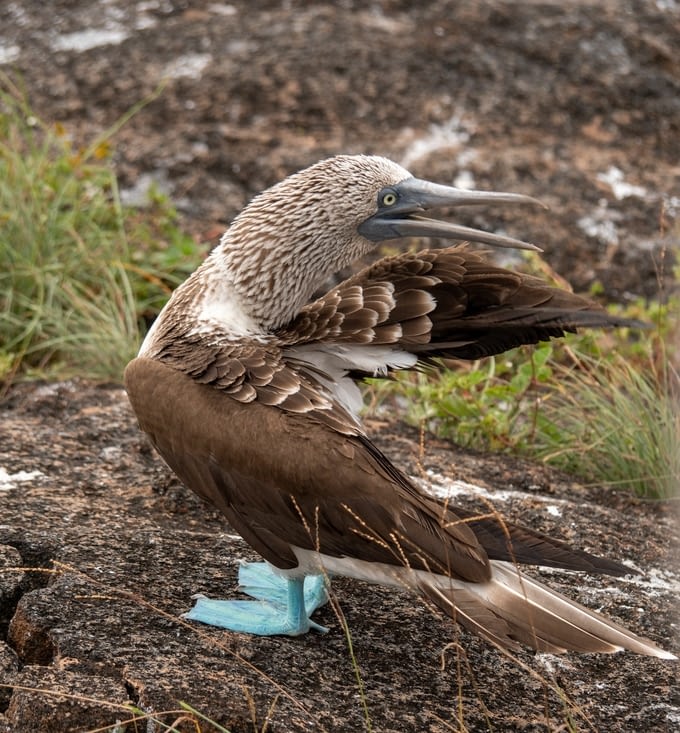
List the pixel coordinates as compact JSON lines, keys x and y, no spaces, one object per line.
{"x":293,"y":236}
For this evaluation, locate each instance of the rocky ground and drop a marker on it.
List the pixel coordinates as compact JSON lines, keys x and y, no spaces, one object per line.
{"x":118,"y":547}
{"x":123,"y":547}
{"x":575,"y":102}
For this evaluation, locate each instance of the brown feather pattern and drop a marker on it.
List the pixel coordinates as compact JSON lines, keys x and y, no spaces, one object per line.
{"x":449,"y":303}
{"x":254,"y":421}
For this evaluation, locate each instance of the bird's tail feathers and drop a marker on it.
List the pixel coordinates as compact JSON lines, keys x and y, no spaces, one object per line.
{"x":512,"y":608}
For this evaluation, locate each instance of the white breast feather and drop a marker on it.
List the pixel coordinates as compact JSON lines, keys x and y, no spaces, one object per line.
{"x":224,"y":310}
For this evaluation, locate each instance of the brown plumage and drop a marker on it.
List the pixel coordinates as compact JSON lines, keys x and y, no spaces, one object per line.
{"x":247,"y":391}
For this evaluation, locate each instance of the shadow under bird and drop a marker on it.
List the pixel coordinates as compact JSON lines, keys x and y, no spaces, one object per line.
{"x":247,"y":389}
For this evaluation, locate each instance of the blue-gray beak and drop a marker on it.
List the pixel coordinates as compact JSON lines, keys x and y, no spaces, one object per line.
{"x":399,"y":206}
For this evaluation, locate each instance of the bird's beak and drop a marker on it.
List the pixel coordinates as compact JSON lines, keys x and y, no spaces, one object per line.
{"x":399,"y":207}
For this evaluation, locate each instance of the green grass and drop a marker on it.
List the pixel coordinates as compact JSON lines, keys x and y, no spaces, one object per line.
{"x":601,"y":405}
{"x":81,"y":274}
{"x":616,"y":425}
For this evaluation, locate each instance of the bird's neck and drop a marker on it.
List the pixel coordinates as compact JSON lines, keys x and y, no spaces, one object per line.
{"x":244,"y":297}
{"x":257,"y":279}
{"x":265,"y":281}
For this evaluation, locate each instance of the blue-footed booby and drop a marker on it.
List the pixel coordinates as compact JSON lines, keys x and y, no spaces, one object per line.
{"x":247,"y":388}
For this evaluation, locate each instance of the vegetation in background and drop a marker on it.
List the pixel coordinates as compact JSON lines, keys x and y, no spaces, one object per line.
{"x":615,"y":424}
{"x":80,"y":273}
{"x":604,"y":405}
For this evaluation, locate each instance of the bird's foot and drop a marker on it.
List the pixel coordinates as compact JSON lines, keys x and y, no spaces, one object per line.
{"x":251,"y":617}
{"x":258,"y":580}
{"x":283,"y":606}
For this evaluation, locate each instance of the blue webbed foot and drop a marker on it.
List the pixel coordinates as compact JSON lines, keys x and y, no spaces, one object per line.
{"x":258,"y":580}
{"x":251,"y":617}
{"x":283,"y":606}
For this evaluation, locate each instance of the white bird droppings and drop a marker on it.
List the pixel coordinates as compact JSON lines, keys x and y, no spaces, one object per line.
{"x":9,"y":480}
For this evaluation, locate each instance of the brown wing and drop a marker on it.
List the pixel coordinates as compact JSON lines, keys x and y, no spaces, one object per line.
{"x":511,"y":542}
{"x":283,"y":477}
{"x":316,"y":489}
{"x":444,"y":303}
{"x":242,"y":401}
{"x":249,"y":371}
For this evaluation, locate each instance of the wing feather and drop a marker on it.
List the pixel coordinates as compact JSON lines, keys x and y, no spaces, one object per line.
{"x":435,"y":303}
{"x":339,"y":495}
{"x":449,"y":303}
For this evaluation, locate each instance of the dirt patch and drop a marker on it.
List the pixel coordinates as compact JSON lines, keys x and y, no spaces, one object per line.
{"x":576,"y":103}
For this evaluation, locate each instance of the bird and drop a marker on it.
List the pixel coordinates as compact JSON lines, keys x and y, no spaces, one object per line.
{"x":247,"y":386}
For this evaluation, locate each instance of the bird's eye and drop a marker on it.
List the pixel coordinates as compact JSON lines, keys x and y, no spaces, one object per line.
{"x":389,"y":198}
